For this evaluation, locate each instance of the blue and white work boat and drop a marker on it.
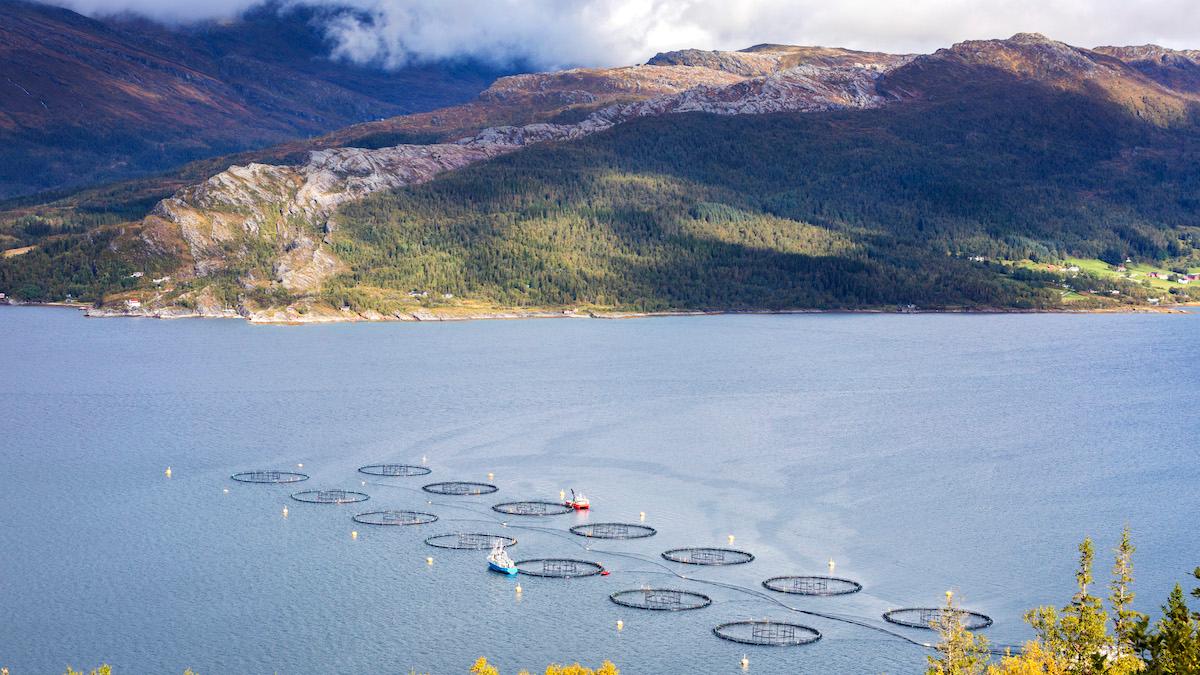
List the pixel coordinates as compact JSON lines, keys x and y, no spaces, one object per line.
{"x":498,"y":560}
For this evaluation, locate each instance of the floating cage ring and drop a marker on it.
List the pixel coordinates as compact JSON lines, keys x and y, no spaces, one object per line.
{"x":330,"y":496}
{"x":812,"y":585}
{"x":394,"y":470}
{"x":470,"y":541}
{"x":269,"y":476}
{"x":395,"y":518}
{"x":460,"y":488}
{"x":661,"y":599}
{"x":767,"y":633}
{"x":930,"y":617}
{"x":708,"y":556}
{"x":614,"y":530}
{"x":532,"y":508}
{"x":561,"y":568}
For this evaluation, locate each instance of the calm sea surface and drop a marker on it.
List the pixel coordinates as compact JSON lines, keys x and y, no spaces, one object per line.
{"x":921,"y":453}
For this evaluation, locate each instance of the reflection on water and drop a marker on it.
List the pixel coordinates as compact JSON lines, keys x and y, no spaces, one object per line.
{"x":920,"y":453}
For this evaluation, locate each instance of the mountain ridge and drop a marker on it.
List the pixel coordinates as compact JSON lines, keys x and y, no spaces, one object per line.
{"x":285,"y":241}
{"x":85,"y":100}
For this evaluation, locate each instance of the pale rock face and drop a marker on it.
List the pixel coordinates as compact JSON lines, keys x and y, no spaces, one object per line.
{"x":293,"y":206}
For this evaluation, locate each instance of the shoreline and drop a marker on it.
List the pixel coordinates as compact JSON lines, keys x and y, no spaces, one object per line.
{"x":285,"y":318}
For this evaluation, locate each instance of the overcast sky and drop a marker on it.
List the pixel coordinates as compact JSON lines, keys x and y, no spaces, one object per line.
{"x":554,"y":33}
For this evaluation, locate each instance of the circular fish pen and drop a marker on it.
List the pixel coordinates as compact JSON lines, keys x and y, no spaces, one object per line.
{"x":394,"y":470}
{"x":470,"y":541}
{"x":459,"y":488}
{"x":533,"y":508}
{"x":614,"y":531}
{"x":708,"y":556}
{"x":661,"y":599}
{"x":930,"y":618}
{"x":812,"y":585}
{"x":277,"y":477}
{"x":395,"y":518}
{"x":559,"y":568}
{"x":330,"y":496}
{"x":767,"y":633}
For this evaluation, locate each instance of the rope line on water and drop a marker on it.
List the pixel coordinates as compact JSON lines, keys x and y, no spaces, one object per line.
{"x":489,"y":517}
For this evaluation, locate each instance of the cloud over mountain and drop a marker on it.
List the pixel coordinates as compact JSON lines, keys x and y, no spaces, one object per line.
{"x":554,"y":33}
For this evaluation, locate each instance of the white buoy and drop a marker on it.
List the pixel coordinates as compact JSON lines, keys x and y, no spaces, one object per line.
{"x":745,"y":663}
{"x":364,"y":483}
{"x":285,"y":512}
{"x":354,"y":534}
{"x":300,"y":465}
{"x":620,"y":625}
{"x":831,"y":565}
{"x":642,"y":516}
{"x":429,"y":560}
{"x":424,"y":459}
{"x":168,"y":472}
{"x":226,"y":490}
{"x":731,"y":539}
{"x":491,"y":476}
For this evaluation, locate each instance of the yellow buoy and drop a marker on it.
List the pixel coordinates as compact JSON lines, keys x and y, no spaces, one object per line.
{"x":831,"y":565}
{"x":745,"y":663}
{"x":518,"y":588}
{"x":562,"y":494}
{"x":354,"y":534}
{"x":168,"y":472}
{"x":429,"y":560}
{"x":731,"y":538}
{"x":642,"y":516}
{"x":949,"y":595}
{"x":620,"y":625}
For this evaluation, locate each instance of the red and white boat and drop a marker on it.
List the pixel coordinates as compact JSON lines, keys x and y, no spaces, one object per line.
{"x":578,"y":502}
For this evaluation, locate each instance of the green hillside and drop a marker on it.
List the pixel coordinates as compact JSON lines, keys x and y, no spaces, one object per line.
{"x":816,"y":210}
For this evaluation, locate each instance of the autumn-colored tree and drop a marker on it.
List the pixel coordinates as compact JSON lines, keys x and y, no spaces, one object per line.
{"x":1078,"y":633}
{"x":959,"y":652}
{"x":104,"y":669}
{"x":1033,"y":660}
{"x":482,"y":667}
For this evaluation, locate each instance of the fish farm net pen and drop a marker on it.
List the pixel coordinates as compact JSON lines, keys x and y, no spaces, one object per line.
{"x":330,"y":496}
{"x":395,"y":518}
{"x":661,"y":599}
{"x":470,"y":541}
{"x":767,"y":633}
{"x":931,"y":617}
{"x":560,"y":568}
{"x":614,"y":531}
{"x":394,"y":470}
{"x":532,"y":508}
{"x":460,"y":488}
{"x":708,"y":556}
{"x":999,"y":650}
{"x":269,"y":477}
{"x":812,"y":585}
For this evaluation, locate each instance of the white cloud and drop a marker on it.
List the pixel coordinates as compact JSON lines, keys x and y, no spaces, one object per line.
{"x":553,"y":33}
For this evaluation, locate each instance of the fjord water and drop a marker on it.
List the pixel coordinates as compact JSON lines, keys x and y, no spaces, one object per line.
{"x":921,"y":453}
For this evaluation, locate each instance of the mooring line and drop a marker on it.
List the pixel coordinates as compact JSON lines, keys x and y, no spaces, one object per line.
{"x":756,"y":593}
